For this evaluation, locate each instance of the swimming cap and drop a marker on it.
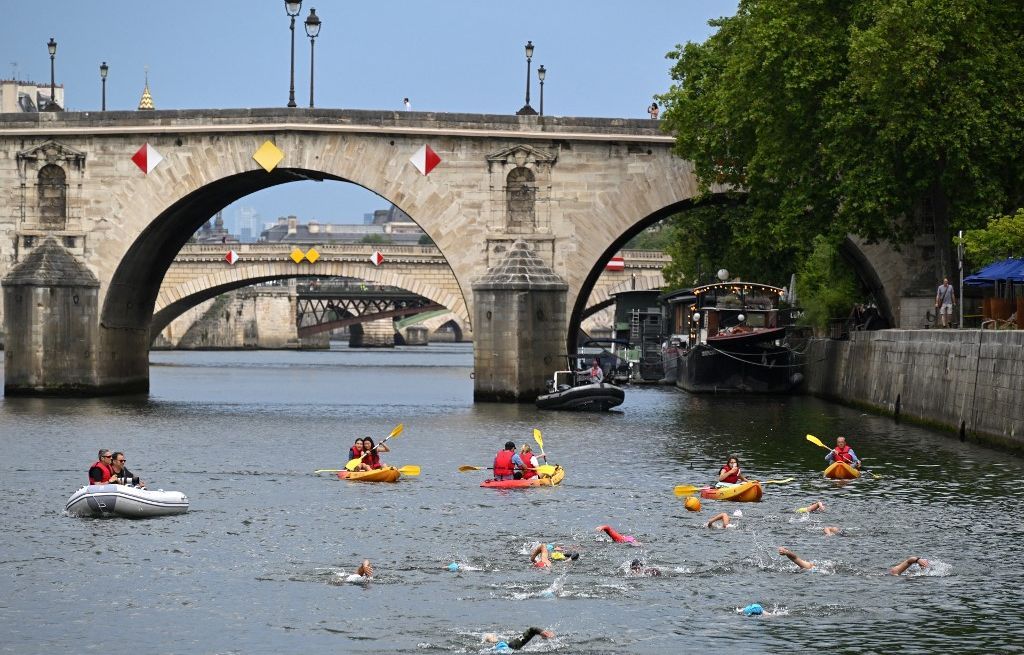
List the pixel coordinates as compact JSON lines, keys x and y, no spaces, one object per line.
{"x":502,"y":647}
{"x":551,"y":547}
{"x":752,"y":609}
{"x":454,"y":566}
{"x":692,"y":504}
{"x":738,"y":512}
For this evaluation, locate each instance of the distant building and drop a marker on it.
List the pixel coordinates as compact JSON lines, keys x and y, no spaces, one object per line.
{"x":288,"y":229}
{"x":215,"y":233}
{"x":20,"y":96}
{"x":247,"y":222}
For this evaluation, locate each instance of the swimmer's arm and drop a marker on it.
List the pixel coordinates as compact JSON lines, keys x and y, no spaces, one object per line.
{"x":531,"y":632}
{"x":904,"y":565}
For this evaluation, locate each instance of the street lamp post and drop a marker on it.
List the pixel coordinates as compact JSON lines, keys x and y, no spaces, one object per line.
{"x":292,"y":8}
{"x":51,"y":47}
{"x":527,"y":110}
{"x":312,"y":30}
{"x":103,"y":79}
{"x":541,"y":74}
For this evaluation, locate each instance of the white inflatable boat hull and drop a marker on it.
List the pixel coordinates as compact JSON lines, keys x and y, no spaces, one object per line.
{"x":98,"y":500}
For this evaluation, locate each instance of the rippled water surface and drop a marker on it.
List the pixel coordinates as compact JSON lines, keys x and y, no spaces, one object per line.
{"x":258,"y":563}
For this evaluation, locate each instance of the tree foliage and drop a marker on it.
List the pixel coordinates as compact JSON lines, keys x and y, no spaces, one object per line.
{"x":857,"y":116}
{"x":1003,"y":237}
{"x":826,"y":286}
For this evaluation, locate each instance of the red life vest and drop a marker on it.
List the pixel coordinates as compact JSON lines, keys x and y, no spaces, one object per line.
{"x":373,"y":460}
{"x":528,"y":470}
{"x":731,"y":479}
{"x":503,"y":464}
{"x":353,"y":454}
{"x":104,"y":468}
{"x":843,"y":454}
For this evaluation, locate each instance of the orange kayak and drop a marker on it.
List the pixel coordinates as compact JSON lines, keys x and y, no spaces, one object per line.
{"x":744,"y":492}
{"x":841,"y":471}
{"x":387,"y":474}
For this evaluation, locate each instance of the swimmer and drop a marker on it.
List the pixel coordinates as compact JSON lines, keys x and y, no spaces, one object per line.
{"x":907,"y":563}
{"x":615,"y":536}
{"x":542,"y":555}
{"x":816,"y":506}
{"x":519,"y":642}
{"x":366,"y":569}
{"x":636,"y":567}
{"x":539,"y":557}
{"x":831,"y":530}
{"x":723,"y":518}
{"x":802,"y":563}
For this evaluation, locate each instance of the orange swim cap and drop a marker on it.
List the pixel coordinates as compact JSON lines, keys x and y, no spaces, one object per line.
{"x":692,"y":504}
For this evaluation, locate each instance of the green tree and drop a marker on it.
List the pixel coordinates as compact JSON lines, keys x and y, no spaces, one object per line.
{"x":872,"y":117}
{"x":1003,"y":237}
{"x":375,"y":239}
{"x":826,"y":286}
{"x":425,"y":240}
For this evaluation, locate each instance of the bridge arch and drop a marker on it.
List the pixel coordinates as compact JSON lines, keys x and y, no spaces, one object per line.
{"x":173,"y":302}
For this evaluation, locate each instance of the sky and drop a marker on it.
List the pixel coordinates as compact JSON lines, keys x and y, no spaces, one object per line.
{"x":603,"y":58}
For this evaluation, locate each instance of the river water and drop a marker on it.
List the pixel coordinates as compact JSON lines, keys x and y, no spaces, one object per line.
{"x":258,"y":563}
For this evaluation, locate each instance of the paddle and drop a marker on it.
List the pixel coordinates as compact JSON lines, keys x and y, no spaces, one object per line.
{"x":817,"y":442}
{"x":544,"y":469}
{"x":689,"y":489}
{"x":353,"y":463}
{"x":411,"y":470}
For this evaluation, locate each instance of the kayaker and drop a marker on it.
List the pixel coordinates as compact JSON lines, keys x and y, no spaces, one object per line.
{"x":616,"y":537}
{"x":842,"y":453}
{"x":636,"y":567}
{"x":372,"y":459}
{"x":730,"y":473}
{"x":802,"y":563}
{"x":527,"y":462}
{"x":519,"y":642}
{"x":356,"y":451}
{"x":722,"y":518}
{"x":121,"y":472}
{"x":504,"y":468}
{"x":100,"y":471}
{"x":921,"y":562}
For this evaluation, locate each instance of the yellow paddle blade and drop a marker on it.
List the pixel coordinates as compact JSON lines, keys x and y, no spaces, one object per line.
{"x":546,"y":469}
{"x":397,"y":431}
{"x":409,"y":470}
{"x":538,"y":438}
{"x":783,"y":481}
{"x":467,"y":467}
{"x":353,"y":464}
{"x":685,"y":490}
{"x":816,"y":441}
{"x":328,"y":470}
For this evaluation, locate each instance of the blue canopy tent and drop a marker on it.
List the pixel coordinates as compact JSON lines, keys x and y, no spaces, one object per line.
{"x":1008,"y":270}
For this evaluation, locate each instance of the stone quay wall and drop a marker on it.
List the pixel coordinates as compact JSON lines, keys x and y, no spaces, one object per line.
{"x":970,"y":382}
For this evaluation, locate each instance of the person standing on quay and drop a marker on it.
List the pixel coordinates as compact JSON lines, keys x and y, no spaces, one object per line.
{"x":945,"y":298}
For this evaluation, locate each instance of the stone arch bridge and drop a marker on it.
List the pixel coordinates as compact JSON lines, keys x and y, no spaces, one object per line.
{"x":514,"y":203}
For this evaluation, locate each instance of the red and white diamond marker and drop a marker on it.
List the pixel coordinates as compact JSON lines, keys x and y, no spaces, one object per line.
{"x":231,"y":257}
{"x":615,"y":264}
{"x":146,"y":158}
{"x":376,"y":258}
{"x":425,"y":160}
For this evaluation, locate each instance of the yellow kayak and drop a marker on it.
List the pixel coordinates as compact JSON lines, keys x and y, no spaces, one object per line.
{"x":386,"y":474}
{"x":744,"y":492}
{"x":841,"y":471}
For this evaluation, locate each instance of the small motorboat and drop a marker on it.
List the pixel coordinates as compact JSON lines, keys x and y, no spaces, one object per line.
{"x":841,"y":471}
{"x":386,"y":474}
{"x":744,"y":492}
{"x":539,"y":481}
{"x":571,"y":390}
{"x":99,"y":500}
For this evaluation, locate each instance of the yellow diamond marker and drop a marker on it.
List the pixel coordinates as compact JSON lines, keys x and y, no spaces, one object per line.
{"x":297,"y":256}
{"x":268,"y":156}
{"x":312,"y":255}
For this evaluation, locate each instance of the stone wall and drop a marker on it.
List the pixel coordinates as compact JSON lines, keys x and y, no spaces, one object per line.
{"x":238,"y":319}
{"x":968,"y":381}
